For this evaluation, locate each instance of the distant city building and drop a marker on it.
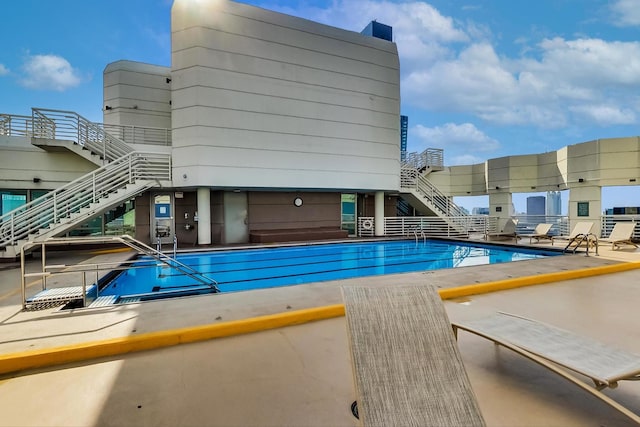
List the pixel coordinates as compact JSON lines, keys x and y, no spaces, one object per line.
{"x":381,"y":31}
{"x":480,"y":211}
{"x":554,"y":203}
{"x":536,"y":205}
{"x":404,"y":124}
{"x":627,"y":210}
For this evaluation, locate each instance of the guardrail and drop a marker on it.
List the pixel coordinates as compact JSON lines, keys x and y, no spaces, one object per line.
{"x":81,"y":193}
{"x":431,"y":158}
{"x":139,"y":134}
{"x":15,"y":125}
{"x":411,"y":178}
{"x":429,"y":225}
{"x":68,"y":125}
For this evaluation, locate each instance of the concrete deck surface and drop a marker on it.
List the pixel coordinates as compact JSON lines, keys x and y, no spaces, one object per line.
{"x":301,"y":375}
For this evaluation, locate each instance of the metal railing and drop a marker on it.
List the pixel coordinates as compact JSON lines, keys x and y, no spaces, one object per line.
{"x":525,"y":224}
{"x":67,"y":125}
{"x":410,"y":226}
{"x":15,"y":125}
{"x":139,"y":134}
{"x":431,"y":158}
{"x":85,"y":192}
{"x":80,"y":292}
{"x":410,"y":178}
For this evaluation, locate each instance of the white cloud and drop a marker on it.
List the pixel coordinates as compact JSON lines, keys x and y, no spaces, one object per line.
{"x":3,"y":70}
{"x":606,"y":114}
{"x":626,"y":12}
{"x":459,"y":137}
{"x":531,"y":91}
{"x":49,"y":72}
{"x":449,"y":66}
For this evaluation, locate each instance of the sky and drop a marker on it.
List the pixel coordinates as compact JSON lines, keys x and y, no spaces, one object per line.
{"x":479,"y":78}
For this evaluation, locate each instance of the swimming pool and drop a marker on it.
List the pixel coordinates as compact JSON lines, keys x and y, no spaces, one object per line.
{"x":238,"y":270}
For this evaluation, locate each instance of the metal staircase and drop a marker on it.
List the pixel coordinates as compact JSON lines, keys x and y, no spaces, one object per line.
{"x":55,"y":129}
{"x":123,"y":174}
{"x":75,"y":203}
{"x":421,"y":192}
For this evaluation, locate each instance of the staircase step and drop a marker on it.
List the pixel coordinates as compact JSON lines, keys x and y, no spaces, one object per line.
{"x":103,"y":301}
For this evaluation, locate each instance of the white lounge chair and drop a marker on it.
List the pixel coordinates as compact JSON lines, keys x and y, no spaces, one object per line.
{"x":540,"y":232}
{"x":506,"y":229}
{"x":406,"y":363}
{"x":621,"y":234}
{"x":580,"y":234}
{"x":555,"y":349}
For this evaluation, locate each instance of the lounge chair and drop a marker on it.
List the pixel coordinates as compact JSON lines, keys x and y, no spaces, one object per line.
{"x":540,"y":232}
{"x":621,"y":234}
{"x":507,"y":229}
{"x":406,"y":363}
{"x":560,"y":351}
{"x":580,"y":234}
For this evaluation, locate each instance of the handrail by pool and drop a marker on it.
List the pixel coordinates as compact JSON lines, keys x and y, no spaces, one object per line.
{"x":80,"y":292}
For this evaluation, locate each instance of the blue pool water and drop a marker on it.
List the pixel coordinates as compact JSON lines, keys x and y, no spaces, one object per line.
{"x":238,"y":270}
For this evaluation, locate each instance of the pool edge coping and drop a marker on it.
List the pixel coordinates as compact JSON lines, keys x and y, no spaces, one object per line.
{"x":14,"y":363}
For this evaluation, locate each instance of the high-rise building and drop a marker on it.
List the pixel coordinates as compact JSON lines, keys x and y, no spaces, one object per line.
{"x":381,"y":31}
{"x":404,"y":124}
{"x":554,"y":203}
{"x":536,"y":205}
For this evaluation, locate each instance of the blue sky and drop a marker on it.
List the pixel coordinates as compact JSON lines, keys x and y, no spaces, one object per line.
{"x":480,"y":79}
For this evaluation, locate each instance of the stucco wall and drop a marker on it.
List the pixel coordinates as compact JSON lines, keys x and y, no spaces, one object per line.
{"x":137,"y":94}
{"x":21,"y":162}
{"x":262,"y":99}
{"x":270,"y":210}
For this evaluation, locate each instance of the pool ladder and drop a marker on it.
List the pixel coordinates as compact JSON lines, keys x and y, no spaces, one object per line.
{"x":422,"y":235}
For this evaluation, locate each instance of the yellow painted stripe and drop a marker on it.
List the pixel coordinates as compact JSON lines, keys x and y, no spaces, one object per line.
{"x":91,"y":350}
{"x":517,"y":282}
{"x":21,"y":361}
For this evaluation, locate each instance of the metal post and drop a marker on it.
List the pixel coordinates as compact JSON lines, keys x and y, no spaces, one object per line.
{"x":175,"y":245}
{"x":84,"y":288}
{"x":44,"y":263}
{"x":22,"y":279}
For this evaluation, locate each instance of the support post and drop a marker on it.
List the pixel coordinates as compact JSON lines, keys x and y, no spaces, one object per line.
{"x":379,"y":213}
{"x":204,"y":216}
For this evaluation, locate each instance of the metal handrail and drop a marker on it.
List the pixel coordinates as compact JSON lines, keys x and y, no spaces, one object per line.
{"x":171,"y":261}
{"x":68,"y":125}
{"x":411,"y":178}
{"x":15,"y":125}
{"x":59,"y":205}
{"x":139,"y":134}
{"x":83,"y":269}
{"x":404,"y":226}
{"x":431,"y":158}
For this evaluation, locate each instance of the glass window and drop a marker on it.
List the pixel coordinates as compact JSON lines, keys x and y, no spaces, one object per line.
{"x":12,"y":199}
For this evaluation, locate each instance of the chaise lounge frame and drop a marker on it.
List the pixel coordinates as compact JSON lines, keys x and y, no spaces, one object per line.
{"x":541,"y":232}
{"x":555,"y":349}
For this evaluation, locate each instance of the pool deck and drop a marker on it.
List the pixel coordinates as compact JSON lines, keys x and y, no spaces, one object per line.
{"x":301,"y":375}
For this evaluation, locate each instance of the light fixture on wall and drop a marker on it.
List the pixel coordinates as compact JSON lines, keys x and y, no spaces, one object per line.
{"x":108,"y":107}
{"x":168,"y":80}
{"x":497,"y":187}
{"x":36,"y":180}
{"x":580,"y":179}
{"x":297,"y":202}
{"x":533,"y":187}
{"x":632,"y":180}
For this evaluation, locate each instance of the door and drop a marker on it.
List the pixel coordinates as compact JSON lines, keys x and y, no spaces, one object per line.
{"x":162,"y":221}
{"x":236,"y":224}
